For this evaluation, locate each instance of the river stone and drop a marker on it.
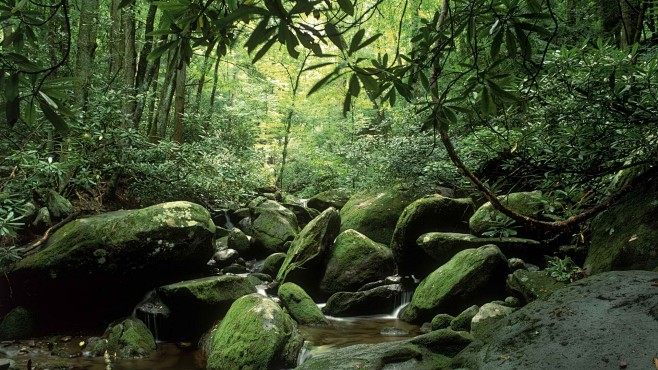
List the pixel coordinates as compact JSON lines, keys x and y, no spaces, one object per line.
{"x":441,"y":321}
{"x":355,"y":260}
{"x":239,"y":241}
{"x":300,"y":305}
{"x":7,"y":364}
{"x":379,"y":300}
{"x":594,"y":323}
{"x":531,"y":285}
{"x":304,"y":261}
{"x":19,"y":323}
{"x":331,"y":198}
{"x":425,"y":352}
{"x":196,"y":304}
{"x":304,"y":215}
{"x":624,"y":236}
{"x":488,"y":314}
{"x":463,"y":321}
{"x":97,"y":268}
{"x":272,"y":226}
{"x":255,"y":334}
{"x":129,"y":338}
{"x":472,"y":276}
{"x":427,"y":214}
{"x":487,"y":217}
{"x":442,"y":246}
{"x":375,"y":213}
{"x":273,"y":263}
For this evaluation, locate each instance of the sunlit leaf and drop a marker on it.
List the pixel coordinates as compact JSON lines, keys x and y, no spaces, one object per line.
{"x":54,"y":118}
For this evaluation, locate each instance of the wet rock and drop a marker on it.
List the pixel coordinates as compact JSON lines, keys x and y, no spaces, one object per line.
{"x":19,"y":323}
{"x":375,"y":213}
{"x":331,"y":198}
{"x":531,"y":285}
{"x":441,"y":321}
{"x":272,"y":226}
{"x":486,"y":218}
{"x":624,"y":236}
{"x":378,"y":300}
{"x":255,"y":334}
{"x":273,"y":263}
{"x":300,"y":305}
{"x":590,"y":324}
{"x":355,"y":260}
{"x":463,"y":321}
{"x":304,"y":214}
{"x":239,"y":241}
{"x":428,"y":214}
{"x":488,"y":314}
{"x":225,"y":257}
{"x":126,"y":339}
{"x":472,"y":276}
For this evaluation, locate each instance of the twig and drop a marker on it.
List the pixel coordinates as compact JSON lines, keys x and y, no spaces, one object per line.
{"x":30,"y":248}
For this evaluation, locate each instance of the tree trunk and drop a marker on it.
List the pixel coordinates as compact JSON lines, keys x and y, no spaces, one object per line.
{"x":215,"y":78}
{"x":631,"y":15}
{"x":179,"y":104}
{"x":115,"y":39}
{"x":201,"y":83}
{"x":129,"y":65}
{"x":86,"y":48}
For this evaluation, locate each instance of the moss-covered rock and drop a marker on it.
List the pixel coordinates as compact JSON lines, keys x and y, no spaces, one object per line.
{"x":487,"y":218}
{"x":441,"y":321}
{"x":426,"y":352}
{"x":273,"y":225}
{"x":472,"y":276}
{"x":304,"y":214}
{"x":272,"y":264}
{"x":379,"y":300}
{"x":488,"y":314}
{"x":375,"y":213}
{"x":355,"y":260}
{"x":256,"y":334}
{"x":531,"y":285}
{"x":300,"y":305}
{"x":97,"y":268}
{"x":624,"y":236}
{"x":238,"y":241}
{"x":463,"y":321}
{"x":304,"y":261}
{"x":331,"y":198}
{"x":427,"y":214}
{"x":196,"y":304}
{"x":19,"y":323}
{"x":129,"y":338}
{"x":443,"y":246}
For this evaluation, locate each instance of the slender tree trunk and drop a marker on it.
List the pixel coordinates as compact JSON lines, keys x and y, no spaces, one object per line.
{"x":215,"y":78}
{"x":152,"y":98}
{"x":201,"y":83}
{"x":86,"y":49}
{"x":146,"y":73}
{"x":161,"y":116}
{"x":179,"y":104}
{"x":631,"y":13}
{"x":129,"y":65}
{"x":116,"y":41}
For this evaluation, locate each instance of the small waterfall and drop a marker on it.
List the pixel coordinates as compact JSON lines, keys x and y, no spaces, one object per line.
{"x":401,"y":301}
{"x":304,"y":353}
{"x":228,"y":225}
{"x":148,"y":310}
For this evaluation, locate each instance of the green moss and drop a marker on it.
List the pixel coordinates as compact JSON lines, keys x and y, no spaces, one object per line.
{"x":212,"y":290}
{"x":300,"y":305}
{"x":19,"y":323}
{"x":256,"y":334}
{"x":487,"y":218}
{"x":130,"y":338}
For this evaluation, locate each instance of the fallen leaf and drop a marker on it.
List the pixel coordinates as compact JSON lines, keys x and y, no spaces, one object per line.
{"x":623,"y":364}
{"x":655,"y":362}
{"x":633,"y":238}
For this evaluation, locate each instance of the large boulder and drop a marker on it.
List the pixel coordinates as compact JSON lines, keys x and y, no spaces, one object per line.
{"x":304,"y":262}
{"x":196,"y":304}
{"x":375,"y":213}
{"x":472,"y":276}
{"x":427,"y":214}
{"x":531,"y":285}
{"x":355,"y":260}
{"x":442,"y":246}
{"x":607,"y":321}
{"x":624,"y":236}
{"x":255,"y":334}
{"x":378,"y":300}
{"x":300,"y":305}
{"x":425,"y":352}
{"x":272,"y":225}
{"x":488,"y":220}
{"x":331,"y":198}
{"x":97,"y":268}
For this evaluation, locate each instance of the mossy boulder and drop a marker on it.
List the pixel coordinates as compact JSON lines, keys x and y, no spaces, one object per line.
{"x":472,"y":276}
{"x":304,"y":215}
{"x":488,"y":314}
{"x":379,"y":300}
{"x":196,"y":304}
{"x":375,"y":213}
{"x":99,"y":267}
{"x":624,"y":236}
{"x":301,"y":306}
{"x":441,"y":321}
{"x":355,"y":260}
{"x":272,"y":264}
{"x":272,"y":225}
{"x":256,"y":334}
{"x":443,"y":246}
{"x":427,"y":214}
{"x":304,"y":261}
{"x":129,"y":338}
{"x":238,"y":241}
{"x":531,"y":285}
{"x":19,"y":323}
{"x":487,"y":218}
{"x":425,"y":352}
{"x":331,"y":198}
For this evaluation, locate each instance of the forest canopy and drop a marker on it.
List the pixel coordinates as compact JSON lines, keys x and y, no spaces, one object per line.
{"x":119,"y":103}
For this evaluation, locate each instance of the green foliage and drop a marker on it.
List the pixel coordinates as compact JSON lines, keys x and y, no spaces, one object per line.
{"x":564,"y":269}
{"x":503,"y":228}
